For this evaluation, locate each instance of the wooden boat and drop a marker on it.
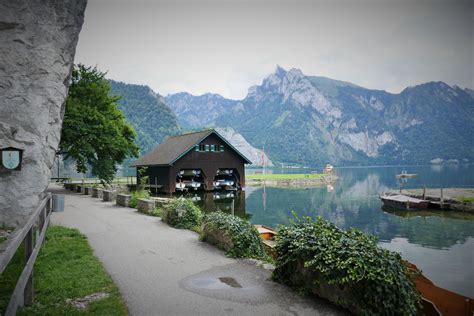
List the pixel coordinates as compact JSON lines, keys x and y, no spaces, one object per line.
{"x":403,"y":202}
{"x":439,"y":301}
{"x":436,"y":301}
{"x":267,"y":233}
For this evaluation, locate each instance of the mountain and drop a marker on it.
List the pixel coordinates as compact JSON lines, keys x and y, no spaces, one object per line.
{"x":153,"y":120}
{"x":243,"y":146}
{"x":146,"y":110}
{"x":310,"y":120}
{"x":198,"y":111}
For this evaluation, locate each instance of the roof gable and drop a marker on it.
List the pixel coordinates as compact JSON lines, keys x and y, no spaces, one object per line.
{"x":173,"y":148}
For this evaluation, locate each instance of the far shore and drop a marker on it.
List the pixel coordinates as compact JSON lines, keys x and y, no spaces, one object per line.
{"x":291,"y":180}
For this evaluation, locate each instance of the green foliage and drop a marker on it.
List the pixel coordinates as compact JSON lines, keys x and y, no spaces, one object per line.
{"x":139,"y":194}
{"x":156,"y":212}
{"x":66,"y":268}
{"x":245,"y":239}
{"x":183,"y":213}
{"x":95,"y":132}
{"x":466,"y":199}
{"x":152,"y":119}
{"x":376,"y":279}
{"x":10,"y":276}
{"x":144,"y":179}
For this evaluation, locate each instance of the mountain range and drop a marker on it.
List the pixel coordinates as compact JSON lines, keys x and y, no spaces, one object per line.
{"x":309,"y":120}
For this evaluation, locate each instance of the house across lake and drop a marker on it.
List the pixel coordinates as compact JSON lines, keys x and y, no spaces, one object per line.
{"x":195,"y":161}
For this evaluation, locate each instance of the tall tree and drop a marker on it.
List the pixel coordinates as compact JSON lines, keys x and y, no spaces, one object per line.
{"x":95,"y":132}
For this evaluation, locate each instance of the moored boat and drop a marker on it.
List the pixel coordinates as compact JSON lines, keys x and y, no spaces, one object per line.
{"x":403,"y":202}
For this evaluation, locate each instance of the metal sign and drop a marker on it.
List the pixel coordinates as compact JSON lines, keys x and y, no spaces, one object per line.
{"x":11,"y":158}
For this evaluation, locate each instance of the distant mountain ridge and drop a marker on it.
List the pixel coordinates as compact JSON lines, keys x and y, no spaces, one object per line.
{"x":154,"y":121}
{"x":311,"y":120}
{"x":146,"y":110}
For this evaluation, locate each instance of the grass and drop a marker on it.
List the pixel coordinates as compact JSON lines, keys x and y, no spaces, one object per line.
{"x":10,"y":276}
{"x":284,"y":176}
{"x":466,"y":199}
{"x":67,"y":269}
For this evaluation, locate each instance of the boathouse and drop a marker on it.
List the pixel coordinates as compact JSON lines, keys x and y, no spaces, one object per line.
{"x":195,"y":161}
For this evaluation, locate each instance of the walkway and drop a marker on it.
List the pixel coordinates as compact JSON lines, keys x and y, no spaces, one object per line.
{"x":165,"y":271}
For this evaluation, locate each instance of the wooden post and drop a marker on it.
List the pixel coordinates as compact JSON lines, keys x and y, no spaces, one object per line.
{"x":424,"y":192}
{"x":442,"y":198}
{"x":29,"y":289}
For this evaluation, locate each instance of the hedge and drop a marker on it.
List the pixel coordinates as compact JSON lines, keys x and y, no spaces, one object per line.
{"x":347,"y":267}
{"x":182,"y":213}
{"x":236,"y":236}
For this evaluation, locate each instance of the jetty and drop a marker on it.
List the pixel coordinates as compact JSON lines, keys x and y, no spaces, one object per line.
{"x":454,"y":199}
{"x":404,"y":202}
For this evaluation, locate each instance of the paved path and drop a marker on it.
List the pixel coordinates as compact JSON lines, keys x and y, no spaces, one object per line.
{"x":165,"y":271}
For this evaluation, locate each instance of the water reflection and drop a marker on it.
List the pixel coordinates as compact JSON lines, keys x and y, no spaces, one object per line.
{"x":428,"y":239}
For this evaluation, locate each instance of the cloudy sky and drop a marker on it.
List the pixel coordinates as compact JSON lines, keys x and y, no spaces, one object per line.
{"x":225,"y":46}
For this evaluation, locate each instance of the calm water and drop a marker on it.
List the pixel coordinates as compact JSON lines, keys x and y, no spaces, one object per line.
{"x":440,"y":244}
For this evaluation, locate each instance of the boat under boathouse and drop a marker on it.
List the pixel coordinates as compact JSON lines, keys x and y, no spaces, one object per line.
{"x":195,"y":161}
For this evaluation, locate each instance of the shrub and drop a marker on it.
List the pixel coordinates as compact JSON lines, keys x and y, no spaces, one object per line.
{"x":236,"y":236}
{"x":182,"y":213}
{"x":139,"y":194}
{"x":156,"y":212}
{"x":372,"y":280}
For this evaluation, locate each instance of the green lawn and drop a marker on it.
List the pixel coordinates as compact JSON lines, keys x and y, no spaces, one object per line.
{"x":284,"y":176}
{"x":466,"y":199}
{"x":66,"y":269}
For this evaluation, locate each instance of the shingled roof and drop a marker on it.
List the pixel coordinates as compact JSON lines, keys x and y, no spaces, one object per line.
{"x":175,"y":147}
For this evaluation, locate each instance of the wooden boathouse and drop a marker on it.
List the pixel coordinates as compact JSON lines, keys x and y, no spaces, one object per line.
{"x":195,"y":161}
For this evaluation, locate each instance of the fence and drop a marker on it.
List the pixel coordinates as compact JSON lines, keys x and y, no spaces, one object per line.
{"x":33,"y":234}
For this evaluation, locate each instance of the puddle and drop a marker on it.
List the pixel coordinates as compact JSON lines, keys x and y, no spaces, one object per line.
{"x":215,"y":283}
{"x":230,"y":282}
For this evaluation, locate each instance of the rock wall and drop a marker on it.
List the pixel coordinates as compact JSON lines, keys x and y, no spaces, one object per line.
{"x":37,"y":46}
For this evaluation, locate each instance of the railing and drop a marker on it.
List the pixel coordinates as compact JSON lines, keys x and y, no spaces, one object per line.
{"x":38,"y":222}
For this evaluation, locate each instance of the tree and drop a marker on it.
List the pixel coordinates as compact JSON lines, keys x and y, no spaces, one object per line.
{"x":95,"y":132}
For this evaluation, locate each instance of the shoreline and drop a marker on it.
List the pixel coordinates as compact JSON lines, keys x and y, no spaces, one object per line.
{"x":294,"y":183}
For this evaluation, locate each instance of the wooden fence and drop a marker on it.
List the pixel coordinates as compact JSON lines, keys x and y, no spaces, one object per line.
{"x":33,"y":234}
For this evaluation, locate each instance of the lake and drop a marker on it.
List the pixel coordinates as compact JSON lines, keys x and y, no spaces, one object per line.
{"x":441,"y":244}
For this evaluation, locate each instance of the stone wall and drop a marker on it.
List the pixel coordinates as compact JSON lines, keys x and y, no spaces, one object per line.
{"x":37,"y":46}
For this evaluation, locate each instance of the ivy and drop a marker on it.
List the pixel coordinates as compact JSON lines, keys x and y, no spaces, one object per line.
{"x":376,"y":280}
{"x":245,"y":239}
{"x":183,"y":213}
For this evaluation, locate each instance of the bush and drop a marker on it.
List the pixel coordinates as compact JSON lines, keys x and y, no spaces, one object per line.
{"x":139,"y":194}
{"x":366,"y":278}
{"x":236,"y":236}
{"x":156,"y":212}
{"x":182,"y":213}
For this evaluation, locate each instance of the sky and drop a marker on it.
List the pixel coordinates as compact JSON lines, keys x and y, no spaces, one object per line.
{"x":226,"y":46}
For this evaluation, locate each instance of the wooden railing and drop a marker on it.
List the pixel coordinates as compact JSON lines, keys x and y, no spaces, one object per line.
{"x":33,"y":234}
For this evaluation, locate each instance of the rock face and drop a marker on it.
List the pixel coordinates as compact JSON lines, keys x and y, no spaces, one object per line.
{"x":242,"y":145}
{"x":37,"y":46}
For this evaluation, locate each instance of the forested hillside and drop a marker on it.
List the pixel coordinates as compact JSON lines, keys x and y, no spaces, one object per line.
{"x":152,"y":119}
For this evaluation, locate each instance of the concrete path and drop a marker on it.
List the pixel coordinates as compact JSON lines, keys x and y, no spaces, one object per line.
{"x":165,"y":271}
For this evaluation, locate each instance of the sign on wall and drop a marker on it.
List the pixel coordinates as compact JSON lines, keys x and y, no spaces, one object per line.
{"x":11,"y":158}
